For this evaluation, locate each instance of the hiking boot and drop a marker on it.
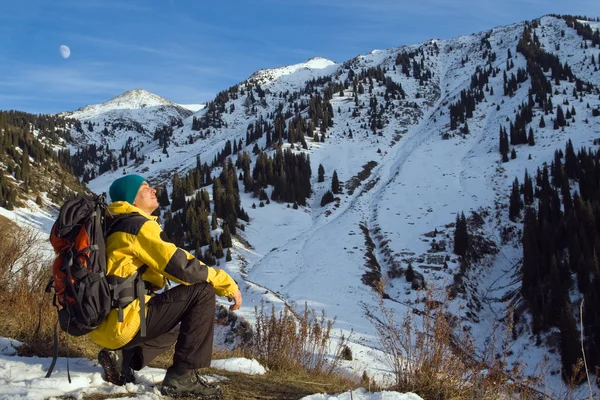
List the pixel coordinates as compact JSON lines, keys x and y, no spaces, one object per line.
{"x":189,"y":383}
{"x":115,"y":372}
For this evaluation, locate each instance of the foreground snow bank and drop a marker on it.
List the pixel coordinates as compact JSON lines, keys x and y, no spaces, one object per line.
{"x":24,"y":378}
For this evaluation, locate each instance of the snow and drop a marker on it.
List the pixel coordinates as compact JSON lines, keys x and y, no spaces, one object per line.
{"x":301,"y":72}
{"x":316,"y":255}
{"x":250,"y":367}
{"x":23,"y":378}
{"x":130,"y":100}
{"x":362,"y":394}
{"x":132,"y":116}
{"x":595,"y":25}
{"x":193,"y":107}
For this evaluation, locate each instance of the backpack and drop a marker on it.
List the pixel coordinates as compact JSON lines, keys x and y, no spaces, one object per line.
{"x":81,"y":291}
{"x":83,"y":294}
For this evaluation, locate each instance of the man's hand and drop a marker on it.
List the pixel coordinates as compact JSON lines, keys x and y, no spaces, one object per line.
{"x":237,"y":301}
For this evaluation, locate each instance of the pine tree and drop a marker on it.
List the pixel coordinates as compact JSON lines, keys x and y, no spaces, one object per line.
{"x":163,"y":199}
{"x":335,"y":183}
{"x":178,"y":194}
{"x":219,"y":252}
{"x":214,"y":221}
{"x":321,"y":172}
{"x":542,"y":123}
{"x":461,"y":235}
{"x":570,"y":350}
{"x":515,"y":204}
{"x":570,"y":161}
{"x":327,"y":198}
{"x":527,"y":190}
{"x":531,"y":138}
{"x":226,"y":237}
{"x":560,"y":116}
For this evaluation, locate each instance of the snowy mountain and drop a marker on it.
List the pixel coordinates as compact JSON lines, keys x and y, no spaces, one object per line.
{"x":136,"y":113}
{"x":413,"y":135}
{"x":313,"y":67}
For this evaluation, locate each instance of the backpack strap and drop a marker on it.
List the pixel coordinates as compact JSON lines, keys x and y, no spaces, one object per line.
{"x":125,"y":290}
{"x":141,"y":293}
{"x":54,"y":347}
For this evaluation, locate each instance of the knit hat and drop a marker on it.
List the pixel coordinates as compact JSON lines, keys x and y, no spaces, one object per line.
{"x":125,"y":188}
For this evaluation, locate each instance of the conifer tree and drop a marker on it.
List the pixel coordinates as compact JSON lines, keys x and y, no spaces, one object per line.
{"x":515,"y":205}
{"x":163,"y":199}
{"x":570,"y":349}
{"x":531,"y":138}
{"x":560,"y":117}
{"x":570,"y":161}
{"x":461,"y":236}
{"x":327,"y":198}
{"x":178,"y":194}
{"x":527,"y":190}
{"x":214,"y":221}
{"x":226,"y":237}
{"x":321,"y":172}
{"x":335,"y":183}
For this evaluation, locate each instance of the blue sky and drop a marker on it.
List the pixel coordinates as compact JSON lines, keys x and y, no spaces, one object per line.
{"x":187,"y":51}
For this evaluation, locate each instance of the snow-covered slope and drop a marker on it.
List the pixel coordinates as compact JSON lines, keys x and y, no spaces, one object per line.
{"x":193,"y":107}
{"x":298,"y":73}
{"x":136,"y":113}
{"x":130,"y":100}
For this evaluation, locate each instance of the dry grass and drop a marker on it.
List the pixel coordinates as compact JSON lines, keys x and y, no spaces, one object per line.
{"x":286,"y":341}
{"x":431,"y":356}
{"x":280,"y":385}
{"x":28,"y":314}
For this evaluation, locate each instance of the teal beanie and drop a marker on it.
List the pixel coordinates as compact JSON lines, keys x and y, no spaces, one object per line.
{"x":125,"y":188}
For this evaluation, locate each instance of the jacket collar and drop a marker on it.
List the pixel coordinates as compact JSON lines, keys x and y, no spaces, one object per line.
{"x":123,"y":207}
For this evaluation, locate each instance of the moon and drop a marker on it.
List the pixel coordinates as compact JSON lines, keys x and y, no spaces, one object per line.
{"x":65,"y":52}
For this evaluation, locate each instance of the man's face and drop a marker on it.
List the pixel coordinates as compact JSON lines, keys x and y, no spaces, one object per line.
{"x":146,"y":198}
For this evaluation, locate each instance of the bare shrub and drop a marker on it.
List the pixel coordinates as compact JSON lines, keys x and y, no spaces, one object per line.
{"x":20,"y":259}
{"x":432,"y":356}
{"x":286,"y":340}
{"x":27,"y":313}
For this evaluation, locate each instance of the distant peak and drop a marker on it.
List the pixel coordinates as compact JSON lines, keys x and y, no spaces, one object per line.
{"x":140,"y":97}
{"x":268,"y":75}
{"x":317,"y":62}
{"x":319,"y":59}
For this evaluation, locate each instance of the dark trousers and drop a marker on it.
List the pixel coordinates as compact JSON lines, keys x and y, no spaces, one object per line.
{"x":183,"y":315}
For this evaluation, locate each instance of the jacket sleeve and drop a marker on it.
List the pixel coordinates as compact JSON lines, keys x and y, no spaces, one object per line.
{"x":177,"y":264}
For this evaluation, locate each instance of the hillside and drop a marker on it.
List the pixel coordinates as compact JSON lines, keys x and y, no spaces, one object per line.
{"x":414,"y":134}
{"x":35,"y":166}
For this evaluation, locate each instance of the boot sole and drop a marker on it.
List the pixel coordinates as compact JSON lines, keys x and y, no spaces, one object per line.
{"x":111,"y":373}
{"x":168,"y":391}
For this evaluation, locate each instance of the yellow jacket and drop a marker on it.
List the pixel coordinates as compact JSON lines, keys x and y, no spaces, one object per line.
{"x":138,"y":242}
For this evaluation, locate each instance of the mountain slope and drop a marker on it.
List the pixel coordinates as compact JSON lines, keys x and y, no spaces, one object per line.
{"x":135,"y":114}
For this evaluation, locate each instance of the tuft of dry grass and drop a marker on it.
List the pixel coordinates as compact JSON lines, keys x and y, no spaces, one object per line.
{"x":286,"y":341}
{"x":432,"y":356}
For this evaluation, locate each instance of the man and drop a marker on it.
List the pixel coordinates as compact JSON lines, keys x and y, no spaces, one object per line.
{"x":183,"y":314}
